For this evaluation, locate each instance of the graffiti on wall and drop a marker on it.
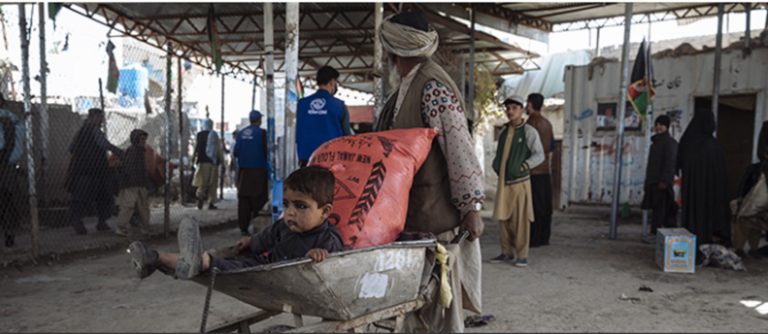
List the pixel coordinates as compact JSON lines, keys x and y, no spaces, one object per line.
{"x":606,"y":117}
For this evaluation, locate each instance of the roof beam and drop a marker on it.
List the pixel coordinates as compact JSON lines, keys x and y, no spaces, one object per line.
{"x":683,"y":12}
{"x":464,"y":29}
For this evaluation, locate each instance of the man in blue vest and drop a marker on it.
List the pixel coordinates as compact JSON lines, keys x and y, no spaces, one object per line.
{"x":251,"y":154}
{"x":320,"y":116}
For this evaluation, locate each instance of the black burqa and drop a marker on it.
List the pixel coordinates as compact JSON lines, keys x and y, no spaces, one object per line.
{"x":701,"y":159}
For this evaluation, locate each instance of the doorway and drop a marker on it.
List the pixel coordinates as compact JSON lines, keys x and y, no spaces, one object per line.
{"x":735,"y":132}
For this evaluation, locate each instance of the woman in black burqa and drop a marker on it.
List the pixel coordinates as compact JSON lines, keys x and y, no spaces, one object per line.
{"x":701,"y":159}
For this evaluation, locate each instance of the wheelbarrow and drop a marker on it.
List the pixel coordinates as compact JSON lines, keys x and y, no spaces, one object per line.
{"x":349,"y":290}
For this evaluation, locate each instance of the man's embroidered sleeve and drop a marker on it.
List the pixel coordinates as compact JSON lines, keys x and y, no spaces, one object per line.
{"x":441,"y":109}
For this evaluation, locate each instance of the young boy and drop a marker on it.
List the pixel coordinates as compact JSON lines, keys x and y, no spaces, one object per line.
{"x":134,"y":184}
{"x":518,"y":152}
{"x":305,"y":231}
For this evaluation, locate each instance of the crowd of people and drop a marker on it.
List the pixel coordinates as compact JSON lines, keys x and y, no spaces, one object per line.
{"x":445,"y":199}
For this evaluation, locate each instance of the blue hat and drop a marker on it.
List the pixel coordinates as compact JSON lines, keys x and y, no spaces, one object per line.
{"x":255,"y":114}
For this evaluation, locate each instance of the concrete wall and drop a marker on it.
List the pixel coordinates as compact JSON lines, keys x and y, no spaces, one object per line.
{"x":588,"y":154}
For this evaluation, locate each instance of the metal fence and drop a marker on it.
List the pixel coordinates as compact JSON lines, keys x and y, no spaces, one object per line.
{"x":85,"y":170}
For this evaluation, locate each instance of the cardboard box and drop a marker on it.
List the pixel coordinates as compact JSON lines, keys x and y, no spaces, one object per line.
{"x":676,"y":250}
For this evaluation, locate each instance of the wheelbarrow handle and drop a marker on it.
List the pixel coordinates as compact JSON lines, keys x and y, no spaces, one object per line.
{"x":460,"y":237}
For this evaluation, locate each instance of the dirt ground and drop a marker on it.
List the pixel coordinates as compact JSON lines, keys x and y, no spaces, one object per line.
{"x":574,"y":285}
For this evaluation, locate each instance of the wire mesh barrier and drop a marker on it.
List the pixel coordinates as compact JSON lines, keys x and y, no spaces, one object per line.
{"x":112,"y":145}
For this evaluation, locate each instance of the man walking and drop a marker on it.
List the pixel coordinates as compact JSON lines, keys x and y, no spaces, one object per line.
{"x":250,"y":153}
{"x":541,"y":183}
{"x":659,"y":176}
{"x":88,"y":175}
{"x":447,"y":192}
{"x":208,"y":156}
{"x":320,"y":117}
{"x":519,"y":151}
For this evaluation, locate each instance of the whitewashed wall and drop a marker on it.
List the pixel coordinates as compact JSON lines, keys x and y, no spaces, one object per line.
{"x":589,"y":155}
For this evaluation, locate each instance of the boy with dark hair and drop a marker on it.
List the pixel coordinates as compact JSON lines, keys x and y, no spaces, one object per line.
{"x":305,"y":231}
{"x":134,"y":185}
{"x":320,"y":117}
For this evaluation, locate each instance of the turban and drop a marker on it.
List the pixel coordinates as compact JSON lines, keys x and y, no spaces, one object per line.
{"x":406,"y":41}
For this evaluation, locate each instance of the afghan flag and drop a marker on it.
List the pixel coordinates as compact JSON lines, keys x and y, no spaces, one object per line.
{"x":213,"y":38}
{"x":641,"y":92}
{"x":299,"y":88}
{"x":113,"y":76}
{"x":53,"y":10}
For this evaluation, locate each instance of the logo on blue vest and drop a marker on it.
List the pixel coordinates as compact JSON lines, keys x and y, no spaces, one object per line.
{"x":316,"y":107}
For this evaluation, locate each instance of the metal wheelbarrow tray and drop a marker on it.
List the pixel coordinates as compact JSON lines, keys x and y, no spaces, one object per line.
{"x":347,"y":285}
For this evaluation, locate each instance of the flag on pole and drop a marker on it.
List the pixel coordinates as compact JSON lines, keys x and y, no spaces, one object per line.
{"x":113,"y":75}
{"x":213,"y":38}
{"x":53,"y":10}
{"x":640,"y":92}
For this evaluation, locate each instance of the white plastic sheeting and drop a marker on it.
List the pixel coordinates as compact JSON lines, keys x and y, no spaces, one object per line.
{"x":547,"y":81}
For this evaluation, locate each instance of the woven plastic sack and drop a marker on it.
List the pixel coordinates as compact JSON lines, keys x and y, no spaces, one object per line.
{"x":374,"y":173}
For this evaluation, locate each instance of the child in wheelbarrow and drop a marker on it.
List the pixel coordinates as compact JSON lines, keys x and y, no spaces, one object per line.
{"x":304,"y":231}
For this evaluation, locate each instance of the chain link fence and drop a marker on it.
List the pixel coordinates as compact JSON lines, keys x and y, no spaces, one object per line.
{"x":93,"y":181}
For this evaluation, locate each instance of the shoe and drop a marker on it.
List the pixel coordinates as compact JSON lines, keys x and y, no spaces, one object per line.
{"x":199,"y":204}
{"x":190,"y":250}
{"x":144,"y":260}
{"x":80,"y":229}
{"x":212,"y":207}
{"x":502,"y":258}
{"x":121,"y":232}
{"x":102,"y":226}
{"x":521,"y":263}
{"x":10,"y":240}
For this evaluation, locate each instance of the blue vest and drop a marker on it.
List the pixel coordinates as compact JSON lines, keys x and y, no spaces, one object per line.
{"x":249,"y":148}
{"x":319,"y":119}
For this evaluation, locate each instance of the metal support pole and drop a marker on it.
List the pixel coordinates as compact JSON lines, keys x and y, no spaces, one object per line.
{"x":471,"y":92}
{"x":645,"y":225}
{"x":182,"y":147}
{"x":222,"y":165}
{"x":620,"y":129}
{"x":101,"y":105}
{"x":269,"y":50}
{"x":43,"y":111}
{"x":253,"y":93}
{"x":597,"y":42}
{"x":718,"y":61}
{"x":291,"y":94}
{"x":167,"y":143}
{"x":649,"y":123}
{"x":28,"y":122}
{"x":747,"y":32}
{"x":378,"y":54}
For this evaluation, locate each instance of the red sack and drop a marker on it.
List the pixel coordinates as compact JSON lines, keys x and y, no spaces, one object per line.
{"x":374,"y":173}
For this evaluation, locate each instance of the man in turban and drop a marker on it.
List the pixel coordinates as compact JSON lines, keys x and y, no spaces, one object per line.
{"x":447,"y":192}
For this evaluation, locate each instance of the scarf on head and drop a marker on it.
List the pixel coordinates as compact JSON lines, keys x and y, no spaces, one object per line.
{"x":406,"y":41}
